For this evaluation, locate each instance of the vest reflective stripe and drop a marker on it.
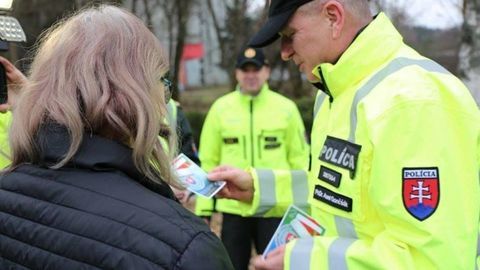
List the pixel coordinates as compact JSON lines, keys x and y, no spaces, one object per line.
{"x":300,"y":188}
{"x":172,"y":115}
{"x":478,"y":245}
{"x":301,"y":253}
{"x":318,"y":103}
{"x":266,"y":182}
{"x":478,"y":251}
{"x":345,"y":227}
{"x":337,"y":253}
{"x":394,"y":66}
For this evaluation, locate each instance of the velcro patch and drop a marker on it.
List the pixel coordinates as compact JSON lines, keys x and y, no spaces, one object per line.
{"x":270,"y":139}
{"x":333,"y":199}
{"x":230,"y":140}
{"x":272,"y":145}
{"x":330,"y":176}
{"x":341,"y":153}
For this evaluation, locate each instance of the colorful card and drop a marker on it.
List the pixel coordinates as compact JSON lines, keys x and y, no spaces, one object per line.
{"x":195,"y":178}
{"x":295,"y":224}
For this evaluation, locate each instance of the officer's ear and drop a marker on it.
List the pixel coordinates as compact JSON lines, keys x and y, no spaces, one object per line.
{"x":266,"y":70}
{"x":238,"y":74}
{"x":334,"y":12}
{"x":267,"y":67}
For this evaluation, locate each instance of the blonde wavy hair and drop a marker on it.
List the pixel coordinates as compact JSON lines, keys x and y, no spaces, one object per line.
{"x":98,"y":72}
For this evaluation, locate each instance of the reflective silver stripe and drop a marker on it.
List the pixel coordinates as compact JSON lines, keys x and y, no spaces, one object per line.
{"x":478,"y":245}
{"x":266,"y":182}
{"x":337,"y":253}
{"x":172,"y":119}
{"x":478,"y":253}
{"x":300,"y":188}
{"x":301,"y":254}
{"x":345,"y":227}
{"x":394,"y":66}
{"x":318,"y":102}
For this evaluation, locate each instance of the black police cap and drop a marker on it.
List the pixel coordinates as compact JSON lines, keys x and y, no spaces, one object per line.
{"x":279,"y":13}
{"x":251,"y":56}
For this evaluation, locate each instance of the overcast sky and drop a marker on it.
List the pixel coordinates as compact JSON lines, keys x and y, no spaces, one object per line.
{"x":427,"y":13}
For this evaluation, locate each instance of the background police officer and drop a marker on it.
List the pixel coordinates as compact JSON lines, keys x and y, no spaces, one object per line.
{"x":411,"y":127}
{"x":252,"y":126}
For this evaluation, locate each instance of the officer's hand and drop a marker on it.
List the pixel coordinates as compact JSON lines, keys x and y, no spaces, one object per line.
{"x":15,"y":79}
{"x":239,"y":183}
{"x":274,"y":260}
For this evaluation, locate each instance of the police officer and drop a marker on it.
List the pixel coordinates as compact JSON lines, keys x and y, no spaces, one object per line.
{"x":395,"y":147}
{"x":252,"y":126}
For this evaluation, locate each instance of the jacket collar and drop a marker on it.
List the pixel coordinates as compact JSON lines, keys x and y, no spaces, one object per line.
{"x":261,"y":94}
{"x":370,"y":49}
{"x":95,"y":153}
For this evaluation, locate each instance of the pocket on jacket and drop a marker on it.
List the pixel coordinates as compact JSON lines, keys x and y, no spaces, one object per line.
{"x":271,"y":144}
{"x":233,"y":147}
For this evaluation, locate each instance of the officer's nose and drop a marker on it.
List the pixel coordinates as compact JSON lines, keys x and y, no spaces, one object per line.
{"x":286,"y":51}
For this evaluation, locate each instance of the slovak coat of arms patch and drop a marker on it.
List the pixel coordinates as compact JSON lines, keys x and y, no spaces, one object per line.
{"x":421,"y":191}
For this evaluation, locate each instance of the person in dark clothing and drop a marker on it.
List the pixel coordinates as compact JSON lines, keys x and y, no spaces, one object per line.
{"x":179,"y":122}
{"x":187,"y":144}
{"x":89,"y":183}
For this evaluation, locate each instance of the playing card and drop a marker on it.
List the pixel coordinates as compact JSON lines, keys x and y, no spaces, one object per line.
{"x":294,"y":224}
{"x":194,"y":178}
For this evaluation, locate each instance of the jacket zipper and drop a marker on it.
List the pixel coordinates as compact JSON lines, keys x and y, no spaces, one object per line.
{"x":259,"y":145}
{"x":251,"y":133}
{"x":245,"y":147}
{"x":324,"y":85}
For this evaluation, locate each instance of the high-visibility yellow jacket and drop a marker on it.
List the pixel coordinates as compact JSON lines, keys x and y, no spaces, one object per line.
{"x":395,"y":163}
{"x":5,"y":121}
{"x":265,"y":131}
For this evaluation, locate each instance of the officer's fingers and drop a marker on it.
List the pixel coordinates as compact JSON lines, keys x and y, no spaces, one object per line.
{"x":4,"y":108}
{"x":238,"y":178}
{"x":267,"y":264}
{"x":223,"y":193}
{"x":273,"y":261}
{"x":224,"y":172}
{"x":259,"y":263}
{"x":221,"y":168}
{"x":280,"y":251}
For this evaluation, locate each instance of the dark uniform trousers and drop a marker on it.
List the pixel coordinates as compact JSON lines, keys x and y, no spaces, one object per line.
{"x":237,"y":229}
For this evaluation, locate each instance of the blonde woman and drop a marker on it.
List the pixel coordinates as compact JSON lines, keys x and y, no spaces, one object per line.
{"x":88,"y":187}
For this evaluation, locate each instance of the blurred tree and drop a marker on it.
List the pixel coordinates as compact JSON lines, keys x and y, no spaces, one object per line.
{"x":176,"y":15}
{"x":181,"y":13}
{"x":470,"y":47}
{"x":234,"y":25}
{"x":35,"y":16}
{"x":396,"y":10}
{"x":232,"y":32}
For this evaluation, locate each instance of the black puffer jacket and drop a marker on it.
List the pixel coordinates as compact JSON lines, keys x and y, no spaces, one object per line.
{"x":95,"y":213}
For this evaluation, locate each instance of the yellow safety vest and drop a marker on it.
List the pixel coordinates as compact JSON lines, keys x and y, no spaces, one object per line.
{"x":172,"y":114}
{"x":5,"y":121}
{"x":395,"y":163}
{"x":265,"y":131}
